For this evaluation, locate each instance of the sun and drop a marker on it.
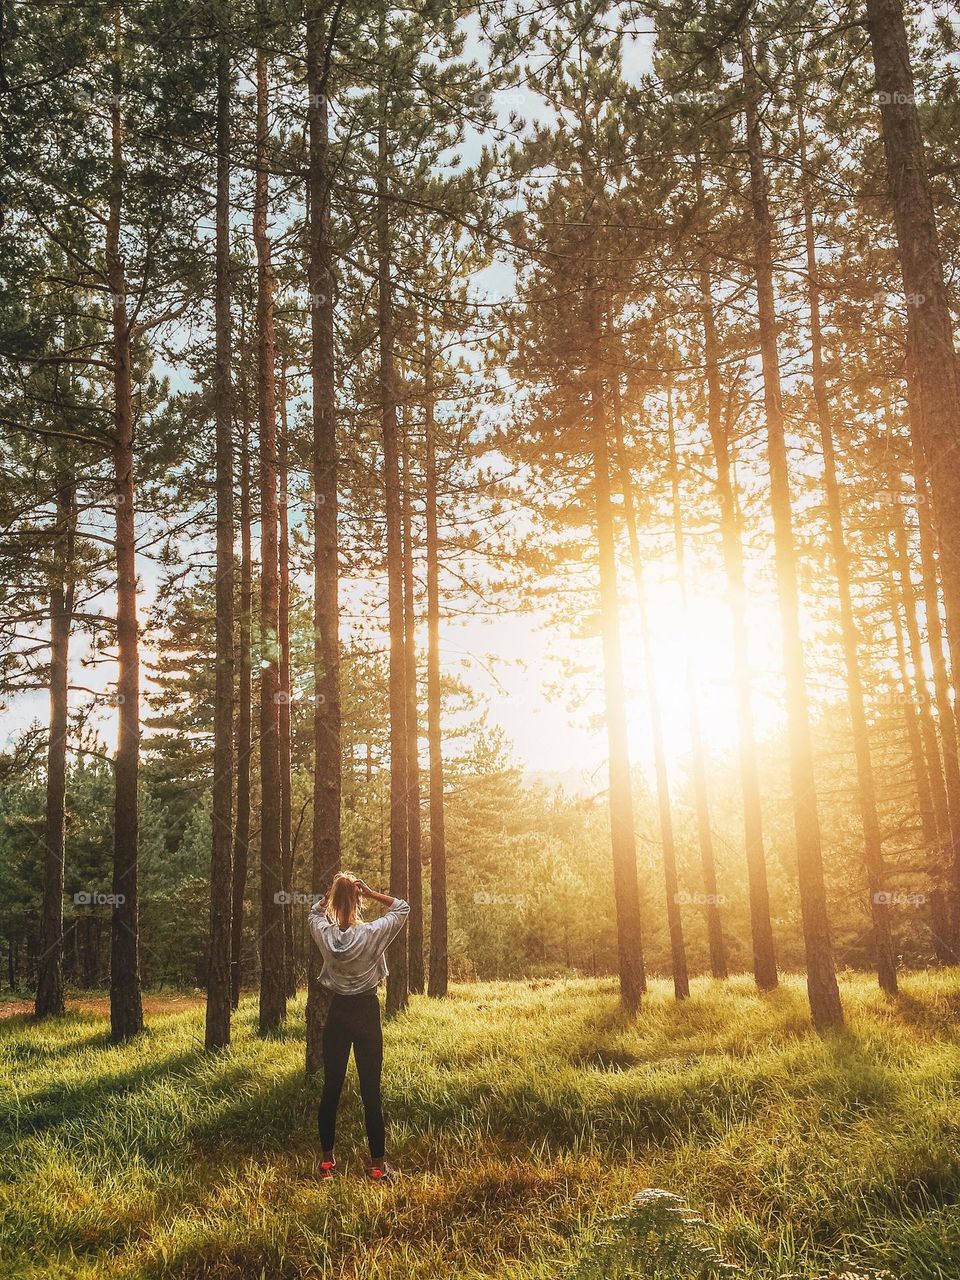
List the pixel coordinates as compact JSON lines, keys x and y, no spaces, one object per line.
{"x":693,"y":656}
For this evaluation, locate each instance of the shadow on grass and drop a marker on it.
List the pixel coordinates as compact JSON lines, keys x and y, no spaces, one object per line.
{"x":29,"y":1050}
{"x":937,"y":1014}
{"x":273,"y":1116}
{"x":50,"y":1106}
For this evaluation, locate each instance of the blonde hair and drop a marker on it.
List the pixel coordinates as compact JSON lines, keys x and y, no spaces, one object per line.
{"x":343,"y":900}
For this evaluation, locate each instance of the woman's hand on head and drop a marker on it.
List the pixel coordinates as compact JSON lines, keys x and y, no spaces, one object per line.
{"x":363,"y":889}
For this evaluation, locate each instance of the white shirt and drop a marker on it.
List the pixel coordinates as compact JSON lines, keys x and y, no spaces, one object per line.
{"x":354,"y":959}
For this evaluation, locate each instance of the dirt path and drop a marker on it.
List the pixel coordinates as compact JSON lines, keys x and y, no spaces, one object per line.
{"x":12,"y":1008}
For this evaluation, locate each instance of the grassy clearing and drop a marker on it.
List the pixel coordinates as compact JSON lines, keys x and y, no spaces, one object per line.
{"x":522,"y":1115}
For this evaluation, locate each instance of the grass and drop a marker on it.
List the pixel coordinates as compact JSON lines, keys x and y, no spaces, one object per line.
{"x":524,"y":1117}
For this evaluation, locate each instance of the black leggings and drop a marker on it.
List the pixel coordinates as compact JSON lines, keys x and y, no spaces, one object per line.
{"x":353,"y":1020}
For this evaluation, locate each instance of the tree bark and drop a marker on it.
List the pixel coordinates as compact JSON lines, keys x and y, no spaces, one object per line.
{"x":932,"y":836}
{"x":626,"y":889}
{"x":933,"y":366}
{"x":718,"y":951}
{"x":286,"y":695}
{"x":946,"y":711}
{"x":325,"y":857}
{"x":398,"y":978}
{"x":126,"y":1007}
{"x":273,"y":1000}
{"x":883,"y":949}
{"x":439,"y":965}
{"x":678,"y":955}
{"x":928,"y":728}
{"x":822,"y":988}
{"x":414,"y":829}
{"x":241,"y":836}
{"x":221,"y":852}
{"x":49,"y":998}
{"x":761,"y":928}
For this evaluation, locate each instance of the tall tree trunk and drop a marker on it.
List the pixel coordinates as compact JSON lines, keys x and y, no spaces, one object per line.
{"x":883,"y":950}
{"x":678,"y":955}
{"x":946,"y":711}
{"x":439,"y":967}
{"x":325,"y":858}
{"x":126,"y":1007}
{"x":49,"y":999}
{"x":927,"y":731}
{"x":718,"y":952}
{"x":273,"y":999}
{"x":764,"y":953}
{"x":932,"y":837}
{"x":221,"y":851}
{"x":928,"y":727}
{"x":286,"y":695}
{"x":414,"y":830}
{"x":822,"y":988}
{"x":933,"y":366}
{"x":397,"y":980}
{"x":241,"y":836}
{"x":626,"y":890}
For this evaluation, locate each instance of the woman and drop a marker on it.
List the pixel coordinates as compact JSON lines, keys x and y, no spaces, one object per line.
{"x":354,"y":964}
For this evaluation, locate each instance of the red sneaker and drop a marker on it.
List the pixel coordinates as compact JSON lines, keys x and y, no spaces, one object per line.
{"x":382,"y":1175}
{"x":327,"y":1170}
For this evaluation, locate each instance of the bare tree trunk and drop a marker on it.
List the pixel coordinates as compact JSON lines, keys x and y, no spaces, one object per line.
{"x":397,"y":980}
{"x":221,"y":851}
{"x":414,"y":831}
{"x":764,"y":953}
{"x":626,"y":889}
{"x":919,"y":696}
{"x":439,"y":967}
{"x":126,"y":1007}
{"x":928,"y":727}
{"x":822,"y":988}
{"x":325,"y":860}
{"x":932,"y":836}
{"x":718,"y":952}
{"x":49,"y":999}
{"x":946,"y":711}
{"x":678,"y":955}
{"x":273,"y":1000}
{"x":883,"y":950}
{"x":241,"y":837}
{"x":933,"y":366}
{"x":286,"y":695}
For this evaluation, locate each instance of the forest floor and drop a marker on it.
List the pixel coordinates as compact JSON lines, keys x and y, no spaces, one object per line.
{"x":522,"y":1116}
